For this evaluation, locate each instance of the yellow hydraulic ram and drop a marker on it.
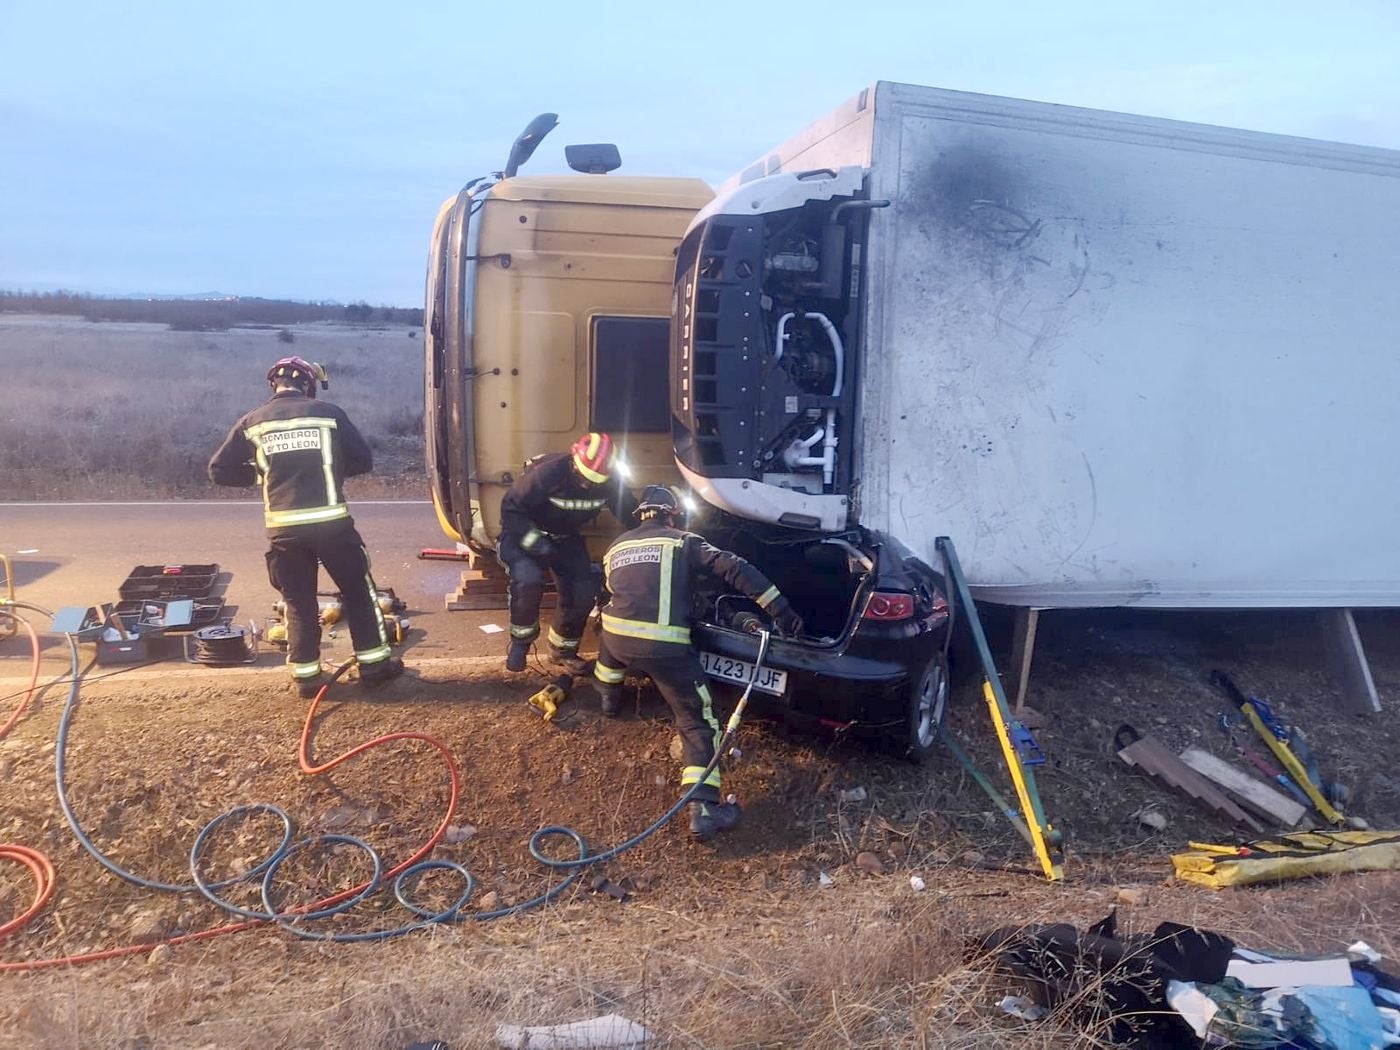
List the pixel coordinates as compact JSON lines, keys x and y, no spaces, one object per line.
{"x":1281,"y":750}
{"x":1045,"y":840}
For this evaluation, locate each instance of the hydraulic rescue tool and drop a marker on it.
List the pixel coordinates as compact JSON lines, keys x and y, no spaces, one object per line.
{"x":1277,"y":736}
{"x":1018,"y":746}
{"x":548,"y":700}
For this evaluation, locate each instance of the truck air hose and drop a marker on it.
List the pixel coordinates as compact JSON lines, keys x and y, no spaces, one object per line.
{"x":402,"y":877}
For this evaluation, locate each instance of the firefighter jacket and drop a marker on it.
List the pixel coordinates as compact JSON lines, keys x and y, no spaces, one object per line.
{"x":549,"y":499}
{"x":650,"y":572}
{"x":301,"y":451}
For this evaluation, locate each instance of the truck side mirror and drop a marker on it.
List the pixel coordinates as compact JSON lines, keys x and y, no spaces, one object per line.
{"x":596,"y":158}
{"x":531,"y":137}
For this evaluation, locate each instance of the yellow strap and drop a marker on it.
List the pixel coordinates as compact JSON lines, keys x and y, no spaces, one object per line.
{"x":768,"y":597}
{"x":1295,"y":768}
{"x":1053,"y":872}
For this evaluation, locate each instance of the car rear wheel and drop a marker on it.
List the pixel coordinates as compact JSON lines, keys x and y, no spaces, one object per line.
{"x":928,"y":705}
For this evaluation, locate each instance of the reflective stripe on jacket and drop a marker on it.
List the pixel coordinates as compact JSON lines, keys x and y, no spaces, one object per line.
{"x":550,"y":499}
{"x":650,"y":574}
{"x":300,"y":450}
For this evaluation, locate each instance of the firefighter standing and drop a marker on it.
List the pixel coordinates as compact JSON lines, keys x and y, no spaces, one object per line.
{"x":541,"y":518}
{"x":301,"y":450}
{"x":646,"y":628}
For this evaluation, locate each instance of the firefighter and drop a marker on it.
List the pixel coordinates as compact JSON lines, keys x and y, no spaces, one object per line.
{"x":542,"y":516}
{"x":649,"y":575}
{"x":301,"y":450}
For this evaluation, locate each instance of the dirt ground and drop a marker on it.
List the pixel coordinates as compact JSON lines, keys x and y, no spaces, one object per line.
{"x":773,"y":937}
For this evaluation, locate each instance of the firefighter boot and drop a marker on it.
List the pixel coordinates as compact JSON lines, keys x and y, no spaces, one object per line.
{"x":708,"y":819}
{"x":376,"y":674}
{"x":517,"y":653}
{"x":569,"y":660}
{"x":307,"y":688}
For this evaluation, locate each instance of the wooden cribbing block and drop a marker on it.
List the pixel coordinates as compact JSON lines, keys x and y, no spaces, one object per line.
{"x":1157,"y":761}
{"x":1251,"y":791}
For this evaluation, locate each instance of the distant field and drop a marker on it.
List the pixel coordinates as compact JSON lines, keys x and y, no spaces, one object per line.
{"x":133,"y":411}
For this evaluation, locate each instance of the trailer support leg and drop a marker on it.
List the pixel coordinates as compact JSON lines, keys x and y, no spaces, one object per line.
{"x":1022,"y":653}
{"x":1348,"y":659}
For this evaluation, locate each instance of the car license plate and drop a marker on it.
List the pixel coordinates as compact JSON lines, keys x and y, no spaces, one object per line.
{"x":731,"y":670}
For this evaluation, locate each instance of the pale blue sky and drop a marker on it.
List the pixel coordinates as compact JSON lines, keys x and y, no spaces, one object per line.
{"x":301,"y":149}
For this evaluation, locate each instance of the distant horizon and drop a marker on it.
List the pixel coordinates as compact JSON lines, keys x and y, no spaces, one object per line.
{"x":210,"y":297}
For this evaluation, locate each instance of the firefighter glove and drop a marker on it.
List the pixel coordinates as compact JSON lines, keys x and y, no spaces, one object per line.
{"x":785,"y":618}
{"x":537,"y":544}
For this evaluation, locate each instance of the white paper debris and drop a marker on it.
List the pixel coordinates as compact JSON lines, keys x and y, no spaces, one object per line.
{"x":856,"y":794}
{"x":1195,"y":1007}
{"x":31,"y":550}
{"x":491,"y":628}
{"x":825,"y":880}
{"x":917,"y":884}
{"x":1361,"y":951}
{"x":597,"y":1033}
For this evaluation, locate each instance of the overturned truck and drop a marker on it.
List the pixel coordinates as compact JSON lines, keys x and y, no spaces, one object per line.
{"x":1120,"y":360}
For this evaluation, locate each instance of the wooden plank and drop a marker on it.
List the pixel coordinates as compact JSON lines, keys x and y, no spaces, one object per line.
{"x":1155,"y":759}
{"x":1022,"y":652}
{"x":1348,"y":659}
{"x":1254,"y":793}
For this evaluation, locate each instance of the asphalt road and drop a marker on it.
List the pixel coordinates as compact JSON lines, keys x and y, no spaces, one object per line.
{"x":78,"y":554}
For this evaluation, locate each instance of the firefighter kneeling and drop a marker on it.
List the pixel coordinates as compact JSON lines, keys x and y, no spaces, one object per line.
{"x":646,"y":628}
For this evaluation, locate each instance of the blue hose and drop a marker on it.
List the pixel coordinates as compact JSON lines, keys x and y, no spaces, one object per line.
{"x":268,"y":868}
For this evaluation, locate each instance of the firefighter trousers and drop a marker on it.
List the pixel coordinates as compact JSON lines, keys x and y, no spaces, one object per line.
{"x":681,"y":681}
{"x":293,"y":559}
{"x":569,"y":564}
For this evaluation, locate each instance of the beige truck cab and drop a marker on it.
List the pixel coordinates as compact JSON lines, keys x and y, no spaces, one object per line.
{"x":548,"y":315}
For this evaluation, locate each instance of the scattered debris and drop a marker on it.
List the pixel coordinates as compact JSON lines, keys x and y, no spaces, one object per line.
{"x":1020,"y":1006}
{"x":609,"y":1031}
{"x":972,"y":856}
{"x":603,"y":884}
{"x":917,"y":884}
{"x":855,"y":794}
{"x":160,"y":955}
{"x":148,"y":927}
{"x":491,"y":628}
{"x":459,"y":833}
{"x":1151,"y":817}
{"x":568,"y":775}
{"x":824,"y":880}
{"x":489,"y":901}
{"x":1133,"y":895}
{"x":869,"y":862}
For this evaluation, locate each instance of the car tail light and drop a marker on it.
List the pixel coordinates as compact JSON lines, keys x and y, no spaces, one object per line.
{"x":889,"y":605}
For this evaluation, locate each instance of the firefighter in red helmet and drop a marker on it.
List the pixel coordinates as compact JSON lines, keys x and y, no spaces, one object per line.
{"x":542,"y":518}
{"x":301,"y":450}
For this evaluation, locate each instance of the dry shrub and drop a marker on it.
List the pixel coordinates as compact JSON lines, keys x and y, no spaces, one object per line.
{"x":102,"y":411}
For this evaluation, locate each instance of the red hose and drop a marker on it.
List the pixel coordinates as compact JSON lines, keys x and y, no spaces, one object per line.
{"x":306,"y":765}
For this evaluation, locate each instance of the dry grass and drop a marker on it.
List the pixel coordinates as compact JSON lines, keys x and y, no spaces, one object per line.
{"x":105,"y":411}
{"x":736,"y":946}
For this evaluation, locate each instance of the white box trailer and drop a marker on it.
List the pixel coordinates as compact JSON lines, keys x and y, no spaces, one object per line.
{"x":1119,"y":360}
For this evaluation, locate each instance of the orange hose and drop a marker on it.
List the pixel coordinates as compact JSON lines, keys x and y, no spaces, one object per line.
{"x":306,"y":765}
{"x":45,"y":879}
